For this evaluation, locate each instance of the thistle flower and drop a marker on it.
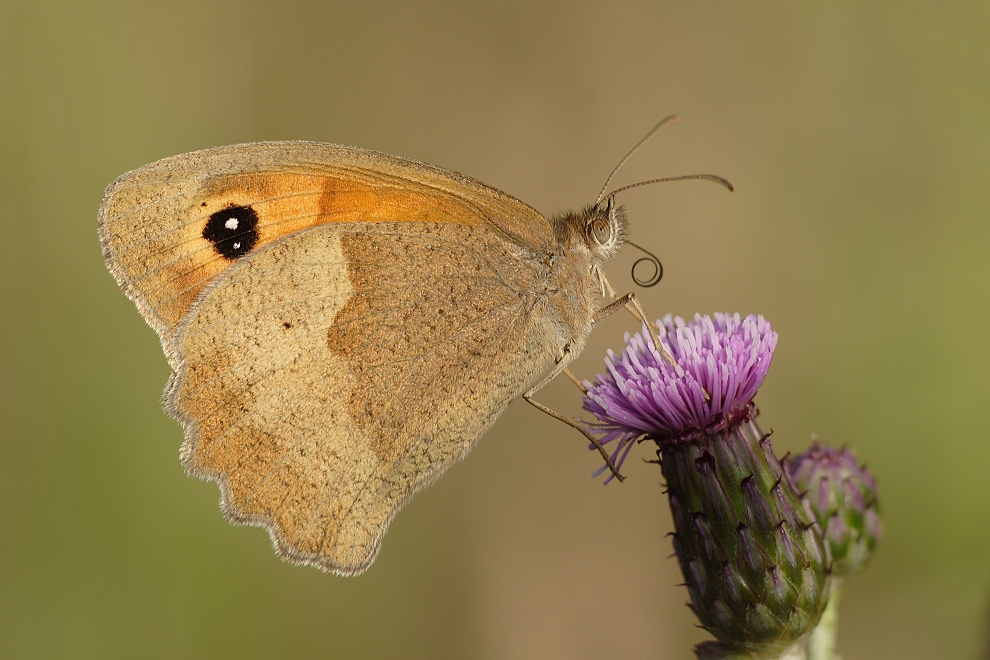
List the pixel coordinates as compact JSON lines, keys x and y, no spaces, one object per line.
{"x":843,"y":495}
{"x":720,"y":365}
{"x":752,"y":554}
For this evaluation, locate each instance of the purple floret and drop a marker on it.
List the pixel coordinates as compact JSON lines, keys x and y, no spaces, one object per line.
{"x":643,"y":395}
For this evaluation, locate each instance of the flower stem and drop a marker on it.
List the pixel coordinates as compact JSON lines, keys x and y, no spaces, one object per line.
{"x":717,"y":651}
{"x":821,"y":642}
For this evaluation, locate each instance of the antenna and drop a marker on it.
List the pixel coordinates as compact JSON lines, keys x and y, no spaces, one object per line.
{"x":651,"y":258}
{"x":670,"y":119}
{"x":685,"y":177}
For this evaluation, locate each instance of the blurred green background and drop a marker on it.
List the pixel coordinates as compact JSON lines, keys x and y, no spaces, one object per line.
{"x":858,"y":138}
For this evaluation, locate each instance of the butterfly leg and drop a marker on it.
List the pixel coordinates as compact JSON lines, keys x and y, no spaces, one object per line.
{"x":570,"y":421}
{"x":575,"y":380}
{"x":631,"y":303}
{"x":633,"y":306}
{"x":606,"y":285}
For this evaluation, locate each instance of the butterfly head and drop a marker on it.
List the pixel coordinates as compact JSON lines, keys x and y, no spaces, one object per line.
{"x":605,"y":229}
{"x":599,"y":230}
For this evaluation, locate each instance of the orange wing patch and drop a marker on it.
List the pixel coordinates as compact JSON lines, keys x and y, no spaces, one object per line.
{"x":287,"y":202}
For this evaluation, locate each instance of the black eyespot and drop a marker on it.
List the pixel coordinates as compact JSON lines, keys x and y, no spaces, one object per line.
{"x":601,"y":230}
{"x":233,"y":231}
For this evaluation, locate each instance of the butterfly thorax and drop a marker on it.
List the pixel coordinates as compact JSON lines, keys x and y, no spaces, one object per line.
{"x":573,"y":284}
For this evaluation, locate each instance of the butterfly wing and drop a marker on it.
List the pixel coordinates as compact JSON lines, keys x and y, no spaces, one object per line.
{"x":331,"y":371}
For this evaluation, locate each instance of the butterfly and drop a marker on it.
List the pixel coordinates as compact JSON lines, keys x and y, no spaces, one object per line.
{"x":343,"y":325}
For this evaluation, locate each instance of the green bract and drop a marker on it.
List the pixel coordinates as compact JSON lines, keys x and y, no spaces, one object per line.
{"x":752,"y":554}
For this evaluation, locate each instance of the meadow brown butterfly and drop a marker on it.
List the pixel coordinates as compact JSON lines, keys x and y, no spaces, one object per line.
{"x":343,"y":325}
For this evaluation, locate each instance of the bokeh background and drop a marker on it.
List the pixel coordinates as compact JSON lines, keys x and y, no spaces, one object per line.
{"x":858,"y":138}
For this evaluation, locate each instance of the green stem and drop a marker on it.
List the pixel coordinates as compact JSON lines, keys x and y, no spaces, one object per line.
{"x":717,"y":651}
{"x":821,"y":642}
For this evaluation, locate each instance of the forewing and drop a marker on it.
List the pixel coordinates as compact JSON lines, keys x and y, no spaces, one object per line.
{"x":169,"y":228}
{"x":341,"y":369}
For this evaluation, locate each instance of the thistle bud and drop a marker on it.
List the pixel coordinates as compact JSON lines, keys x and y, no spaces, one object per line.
{"x":843,"y":495}
{"x":753,"y":557}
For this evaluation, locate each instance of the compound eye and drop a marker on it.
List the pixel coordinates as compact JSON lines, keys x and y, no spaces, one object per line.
{"x":601,"y":230}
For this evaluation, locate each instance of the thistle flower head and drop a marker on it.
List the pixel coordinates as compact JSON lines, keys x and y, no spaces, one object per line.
{"x":843,"y":496}
{"x":721,"y":362}
{"x":752,"y":554}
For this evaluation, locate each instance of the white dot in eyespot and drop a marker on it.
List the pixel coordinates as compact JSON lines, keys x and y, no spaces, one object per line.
{"x":231,"y":223}
{"x":237,"y":246}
